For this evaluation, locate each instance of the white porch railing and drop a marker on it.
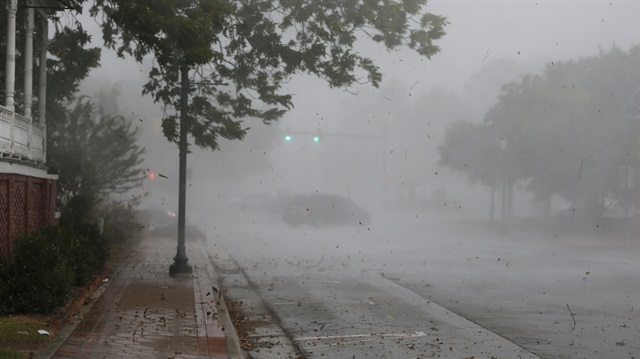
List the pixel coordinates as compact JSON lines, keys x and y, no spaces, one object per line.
{"x":21,"y":138}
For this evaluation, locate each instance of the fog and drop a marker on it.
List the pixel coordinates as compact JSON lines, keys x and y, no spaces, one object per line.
{"x":481,"y":238}
{"x":487,"y":45}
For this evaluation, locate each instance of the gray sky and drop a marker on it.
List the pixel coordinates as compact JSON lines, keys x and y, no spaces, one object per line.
{"x":532,"y":33}
{"x":480,"y":30}
{"x":528,"y":31}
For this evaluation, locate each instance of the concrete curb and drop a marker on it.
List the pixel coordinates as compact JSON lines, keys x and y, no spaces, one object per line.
{"x":215,"y":324}
{"x":267,"y":338}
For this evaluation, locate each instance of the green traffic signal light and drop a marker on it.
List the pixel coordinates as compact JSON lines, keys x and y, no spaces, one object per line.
{"x":316,"y":139}
{"x":287,"y":138}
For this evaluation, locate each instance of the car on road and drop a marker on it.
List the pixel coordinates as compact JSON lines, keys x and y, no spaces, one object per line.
{"x":251,"y":203}
{"x":164,"y":223}
{"x":324,"y":209}
{"x":191,"y":232}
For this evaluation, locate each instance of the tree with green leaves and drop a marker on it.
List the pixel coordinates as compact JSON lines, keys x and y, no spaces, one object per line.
{"x":241,"y":52}
{"x":70,"y":64}
{"x":95,"y":154}
{"x":474,"y":149}
{"x":571,"y":131}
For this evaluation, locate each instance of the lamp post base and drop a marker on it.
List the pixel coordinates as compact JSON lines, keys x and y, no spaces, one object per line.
{"x":180,"y":266}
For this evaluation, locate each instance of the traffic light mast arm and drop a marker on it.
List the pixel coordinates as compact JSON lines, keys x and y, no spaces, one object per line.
{"x":332,"y":134}
{"x":351,"y":135}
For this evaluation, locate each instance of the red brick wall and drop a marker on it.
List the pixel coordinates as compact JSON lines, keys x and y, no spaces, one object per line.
{"x":26,"y":204}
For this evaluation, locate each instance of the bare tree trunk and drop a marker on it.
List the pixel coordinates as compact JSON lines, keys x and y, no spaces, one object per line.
{"x":510,"y":200}
{"x":492,"y":206}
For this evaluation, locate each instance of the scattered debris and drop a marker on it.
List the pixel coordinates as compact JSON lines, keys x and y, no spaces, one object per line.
{"x":572,"y":317}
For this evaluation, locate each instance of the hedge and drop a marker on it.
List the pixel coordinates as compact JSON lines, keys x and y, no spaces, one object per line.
{"x":44,"y":265}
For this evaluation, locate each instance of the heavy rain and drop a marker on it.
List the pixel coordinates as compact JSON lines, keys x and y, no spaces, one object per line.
{"x":480,"y":203}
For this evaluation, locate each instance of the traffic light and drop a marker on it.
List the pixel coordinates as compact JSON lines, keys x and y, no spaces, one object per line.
{"x":305,"y":135}
{"x":316,"y":138}
{"x":149,"y":174}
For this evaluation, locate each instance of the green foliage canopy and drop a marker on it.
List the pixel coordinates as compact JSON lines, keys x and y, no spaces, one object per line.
{"x":95,"y":154}
{"x":242,"y":52}
{"x":92,"y":153}
{"x":571,"y":131}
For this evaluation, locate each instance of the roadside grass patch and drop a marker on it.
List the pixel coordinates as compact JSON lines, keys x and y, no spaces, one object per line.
{"x":21,"y":329}
{"x":12,"y":354}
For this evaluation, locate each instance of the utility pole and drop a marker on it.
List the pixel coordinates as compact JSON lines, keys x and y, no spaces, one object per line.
{"x":180,"y":260}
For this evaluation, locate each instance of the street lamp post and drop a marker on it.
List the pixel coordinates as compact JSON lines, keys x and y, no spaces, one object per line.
{"x":180,"y":260}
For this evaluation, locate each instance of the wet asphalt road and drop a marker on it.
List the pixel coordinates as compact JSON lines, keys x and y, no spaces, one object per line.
{"x":405,"y":286}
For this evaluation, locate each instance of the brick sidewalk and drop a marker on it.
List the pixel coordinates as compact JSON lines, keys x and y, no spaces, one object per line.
{"x":144,"y":313}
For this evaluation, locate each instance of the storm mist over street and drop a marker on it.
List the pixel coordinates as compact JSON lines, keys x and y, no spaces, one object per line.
{"x":386,"y":278}
{"x":382,"y":146}
{"x":491,"y":189}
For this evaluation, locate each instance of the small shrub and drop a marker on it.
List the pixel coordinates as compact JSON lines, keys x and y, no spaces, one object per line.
{"x":79,"y":238}
{"x":98,"y":243}
{"x":85,"y":250}
{"x":79,"y":210}
{"x":36,"y":278}
{"x":120,"y":224}
{"x":5,"y":275}
{"x":38,"y":275}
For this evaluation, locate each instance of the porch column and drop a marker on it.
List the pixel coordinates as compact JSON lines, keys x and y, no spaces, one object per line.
{"x":42,"y":96}
{"x":10,"y":70}
{"x":28,"y":76}
{"x":28,"y":64}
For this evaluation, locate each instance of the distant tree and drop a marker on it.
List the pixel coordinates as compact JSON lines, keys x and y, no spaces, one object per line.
{"x":571,"y":131}
{"x":473,"y":149}
{"x":95,"y":154}
{"x":533,"y":117}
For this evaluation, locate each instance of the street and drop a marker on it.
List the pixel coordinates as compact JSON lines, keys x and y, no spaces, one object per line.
{"x":413,"y":285}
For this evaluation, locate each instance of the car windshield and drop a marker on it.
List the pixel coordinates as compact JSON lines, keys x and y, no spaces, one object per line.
{"x":383,"y":179}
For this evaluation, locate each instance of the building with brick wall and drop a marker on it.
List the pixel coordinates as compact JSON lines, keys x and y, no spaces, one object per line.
{"x":27,"y":190}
